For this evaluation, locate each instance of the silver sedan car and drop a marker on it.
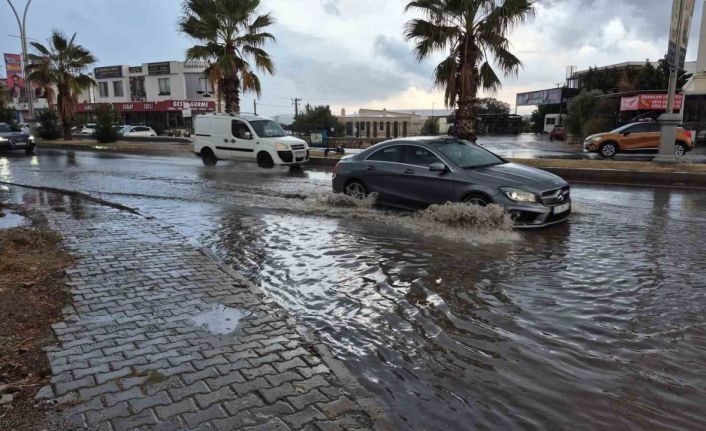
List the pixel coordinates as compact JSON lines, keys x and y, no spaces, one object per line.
{"x":414,"y":173}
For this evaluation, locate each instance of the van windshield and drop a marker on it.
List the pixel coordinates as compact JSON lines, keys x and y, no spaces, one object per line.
{"x":267,"y":129}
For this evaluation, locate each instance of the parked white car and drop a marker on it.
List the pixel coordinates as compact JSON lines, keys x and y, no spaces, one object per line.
{"x":246,"y":137}
{"x":137,"y":131}
{"x":87,"y":130}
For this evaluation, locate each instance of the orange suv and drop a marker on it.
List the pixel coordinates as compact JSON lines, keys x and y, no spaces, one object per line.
{"x":635,"y":137}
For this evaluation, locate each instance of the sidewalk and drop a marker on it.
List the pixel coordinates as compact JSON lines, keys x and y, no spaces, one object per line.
{"x":162,"y":336}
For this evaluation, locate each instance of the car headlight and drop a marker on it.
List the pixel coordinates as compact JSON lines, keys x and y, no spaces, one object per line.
{"x":282,"y":147}
{"x":2,"y":139}
{"x":593,"y":140}
{"x":31,"y":139}
{"x":519,"y":195}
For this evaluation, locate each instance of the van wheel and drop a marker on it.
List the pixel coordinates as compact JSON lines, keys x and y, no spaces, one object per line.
{"x":264,"y":160}
{"x":679,"y":149}
{"x":609,"y":149}
{"x":208,"y":158}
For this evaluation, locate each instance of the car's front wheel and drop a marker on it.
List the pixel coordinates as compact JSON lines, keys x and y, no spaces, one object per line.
{"x":476,"y":199}
{"x":29,"y":150}
{"x":356,"y":189}
{"x":609,"y":149}
{"x":679,"y":149}
{"x":264,"y":160}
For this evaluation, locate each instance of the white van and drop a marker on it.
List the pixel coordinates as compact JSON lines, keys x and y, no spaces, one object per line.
{"x":234,"y":136}
{"x":551,"y":120}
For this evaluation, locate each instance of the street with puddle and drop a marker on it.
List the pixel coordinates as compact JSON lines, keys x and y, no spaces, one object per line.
{"x":599,"y":322}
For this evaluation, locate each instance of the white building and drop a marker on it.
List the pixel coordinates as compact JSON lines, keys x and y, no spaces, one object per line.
{"x":381,"y":123}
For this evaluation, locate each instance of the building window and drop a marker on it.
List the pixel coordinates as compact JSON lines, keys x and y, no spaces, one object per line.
{"x":118,"y":88}
{"x":404,"y":128}
{"x":164,"y":87}
{"x":103,"y":89}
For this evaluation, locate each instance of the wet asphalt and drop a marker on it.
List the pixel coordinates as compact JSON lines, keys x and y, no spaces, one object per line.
{"x":599,"y":322}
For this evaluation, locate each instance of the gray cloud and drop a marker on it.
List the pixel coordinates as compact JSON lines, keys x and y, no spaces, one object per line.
{"x":331,"y":7}
{"x":399,"y":54}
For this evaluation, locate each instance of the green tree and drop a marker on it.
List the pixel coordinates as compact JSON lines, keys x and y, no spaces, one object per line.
{"x":589,"y":114}
{"x":430,"y":127}
{"x":48,"y":126}
{"x":492,"y":106}
{"x":318,"y":118}
{"x":472,"y":34}
{"x":231,"y":35}
{"x":62,"y":64}
{"x":106,"y":126}
{"x":537,"y":119}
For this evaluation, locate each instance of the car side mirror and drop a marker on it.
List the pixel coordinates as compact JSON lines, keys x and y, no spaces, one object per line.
{"x":626,"y":133}
{"x":247,"y":135}
{"x":437,"y":167}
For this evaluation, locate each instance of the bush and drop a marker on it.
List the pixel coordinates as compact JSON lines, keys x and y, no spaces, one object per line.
{"x":589,"y":114}
{"x":106,"y":127}
{"x":49,"y":126}
{"x":430,"y":127}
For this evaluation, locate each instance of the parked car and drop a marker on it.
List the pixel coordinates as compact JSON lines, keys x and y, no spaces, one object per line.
{"x":86,"y":130}
{"x":11,"y":140}
{"x":246,"y":137}
{"x":413,"y":173}
{"x":558,"y":133}
{"x":137,"y":131}
{"x":635,"y":137}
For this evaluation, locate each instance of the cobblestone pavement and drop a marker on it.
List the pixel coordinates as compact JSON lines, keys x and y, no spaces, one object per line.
{"x":133,"y":353}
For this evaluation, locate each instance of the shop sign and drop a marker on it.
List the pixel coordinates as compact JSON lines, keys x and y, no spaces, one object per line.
{"x":649,"y":102}
{"x":161,"y":68}
{"x":108,"y":72}
{"x":134,"y":69}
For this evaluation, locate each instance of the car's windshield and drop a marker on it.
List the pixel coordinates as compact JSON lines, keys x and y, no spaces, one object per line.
{"x":267,"y":129}
{"x":4,"y":128}
{"x":467,"y":155}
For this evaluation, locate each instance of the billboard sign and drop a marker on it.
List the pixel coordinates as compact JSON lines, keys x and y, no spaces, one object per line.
{"x":108,"y":72}
{"x":542,"y":97}
{"x":161,"y":68}
{"x":649,"y":102}
{"x":682,"y":15}
{"x":15,"y":78}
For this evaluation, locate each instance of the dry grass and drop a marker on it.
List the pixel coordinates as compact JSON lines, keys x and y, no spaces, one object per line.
{"x":32,"y":293}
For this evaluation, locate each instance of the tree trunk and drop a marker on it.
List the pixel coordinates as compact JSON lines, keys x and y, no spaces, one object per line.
{"x":465,"y":117}
{"x":64,"y":115}
{"x":231,"y":93}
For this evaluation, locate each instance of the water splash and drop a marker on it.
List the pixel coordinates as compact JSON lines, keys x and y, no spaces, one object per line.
{"x":220,"y":320}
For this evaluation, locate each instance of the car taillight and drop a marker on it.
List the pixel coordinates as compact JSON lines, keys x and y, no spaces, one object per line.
{"x":687,"y":133}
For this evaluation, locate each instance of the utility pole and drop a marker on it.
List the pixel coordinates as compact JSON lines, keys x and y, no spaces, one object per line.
{"x":254,"y":104}
{"x":25,"y":63}
{"x":296,"y":110}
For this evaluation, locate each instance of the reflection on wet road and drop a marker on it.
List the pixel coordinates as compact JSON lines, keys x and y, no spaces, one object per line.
{"x":596,"y":323}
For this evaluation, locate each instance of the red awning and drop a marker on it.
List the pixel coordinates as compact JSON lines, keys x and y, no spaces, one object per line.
{"x":649,"y":102}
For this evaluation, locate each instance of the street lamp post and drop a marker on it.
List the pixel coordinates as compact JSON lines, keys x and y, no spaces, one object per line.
{"x":23,"y":35}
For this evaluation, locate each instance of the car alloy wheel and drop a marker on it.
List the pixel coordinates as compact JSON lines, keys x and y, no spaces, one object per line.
{"x":679,"y":150}
{"x":476,"y":200}
{"x":356,"y":189}
{"x":609,"y":150}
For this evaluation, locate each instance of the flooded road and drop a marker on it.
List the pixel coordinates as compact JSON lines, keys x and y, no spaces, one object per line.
{"x":600,"y":322}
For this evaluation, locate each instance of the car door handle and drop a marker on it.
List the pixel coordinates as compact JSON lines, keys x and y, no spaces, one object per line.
{"x":409,"y":171}
{"x":225,"y":140}
{"x":372,"y":168}
{"x":232,"y":141}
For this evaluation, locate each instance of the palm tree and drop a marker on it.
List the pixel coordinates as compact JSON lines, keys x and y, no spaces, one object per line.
{"x":473,"y":34}
{"x":63,"y":64}
{"x":231,"y":35}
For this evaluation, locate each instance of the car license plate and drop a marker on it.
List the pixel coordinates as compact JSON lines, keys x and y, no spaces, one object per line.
{"x":562,"y":208}
{"x":300,"y":154}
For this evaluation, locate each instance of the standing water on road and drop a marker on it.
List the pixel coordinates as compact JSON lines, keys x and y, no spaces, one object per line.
{"x":597,"y":323}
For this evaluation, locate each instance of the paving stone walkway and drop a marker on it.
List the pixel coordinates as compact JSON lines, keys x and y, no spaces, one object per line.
{"x":161,"y":336}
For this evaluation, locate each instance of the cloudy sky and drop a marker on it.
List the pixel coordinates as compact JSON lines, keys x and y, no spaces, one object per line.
{"x":351,"y":53}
